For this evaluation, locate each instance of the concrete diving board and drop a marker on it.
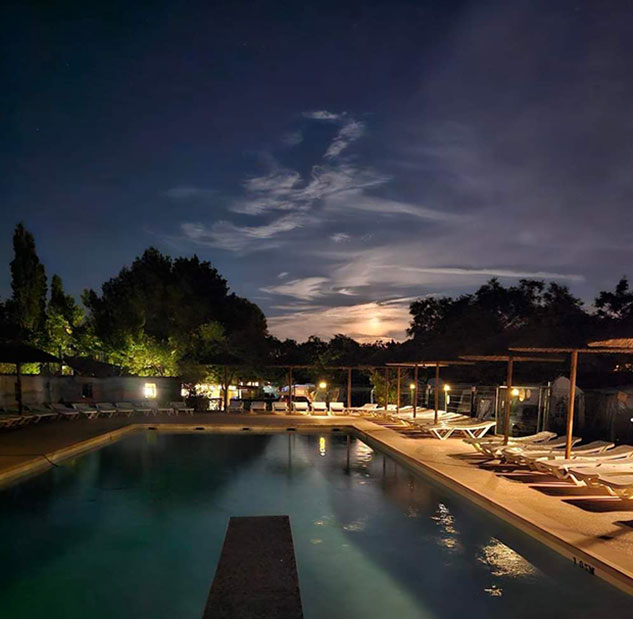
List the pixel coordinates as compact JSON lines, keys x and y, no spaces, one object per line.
{"x":256,"y":576}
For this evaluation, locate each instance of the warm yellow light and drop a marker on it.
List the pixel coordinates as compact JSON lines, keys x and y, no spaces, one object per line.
{"x":447,"y":387}
{"x":412,"y":386}
{"x":322,"y":385}
{"x":515,"y":392}
{"x":149,"y":390}
{"x":322,"y":445}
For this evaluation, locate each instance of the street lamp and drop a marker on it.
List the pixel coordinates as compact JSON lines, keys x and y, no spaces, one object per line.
{"x":447,"y":397}
{"x":322,"y":385}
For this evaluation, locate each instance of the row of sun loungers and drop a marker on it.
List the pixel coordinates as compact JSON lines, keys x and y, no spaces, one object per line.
{"x":598,"y":464}
{"x":299,"y":408}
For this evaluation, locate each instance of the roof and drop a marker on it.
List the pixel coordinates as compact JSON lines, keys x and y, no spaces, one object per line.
{"x":514,"y":358}
{"x":18,"y":352}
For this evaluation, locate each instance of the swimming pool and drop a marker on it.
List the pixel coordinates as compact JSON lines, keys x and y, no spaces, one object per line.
{"x":135,"y":530}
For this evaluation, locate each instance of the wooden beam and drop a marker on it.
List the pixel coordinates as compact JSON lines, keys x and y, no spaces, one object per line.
{"x":572,"y":402}
{"x":398,"y":389}
{"x":386,"y":388}
{"x":349,"y":388}
{"x":415,"y":390}
{"x":437,"y":392}
{"x":506,"y":424}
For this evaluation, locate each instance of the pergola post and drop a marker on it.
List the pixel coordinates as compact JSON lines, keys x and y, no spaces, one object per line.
{"x":226,"y":389}
{"x":386,"y":388}
{"x":437,"y":392}
{"x":398,"y":388}
{"x":506,"y":424}
{"x":349,"y":388}
{"x":18,"y":387}
{"x":415,"y":390}
{"x":572,"y":402}
{"x":290,"y":390}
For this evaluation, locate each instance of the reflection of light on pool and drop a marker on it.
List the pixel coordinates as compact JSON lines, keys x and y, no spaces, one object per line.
{"x":504,"y":561}
{"x":322,"y":449}
{"x":357,"y":525}
{"x":446,"y":521}
{"x":364,"y":452}
{"x":494,"y":591}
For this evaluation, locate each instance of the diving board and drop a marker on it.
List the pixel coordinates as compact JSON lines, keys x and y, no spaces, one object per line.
{"x":256,"y":576}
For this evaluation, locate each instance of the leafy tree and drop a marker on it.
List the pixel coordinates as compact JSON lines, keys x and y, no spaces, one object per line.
{"x":616,"y":305}
{"x":28,"y":282}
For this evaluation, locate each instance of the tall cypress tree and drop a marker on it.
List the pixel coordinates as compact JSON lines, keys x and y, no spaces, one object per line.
{"x":28,"y":281}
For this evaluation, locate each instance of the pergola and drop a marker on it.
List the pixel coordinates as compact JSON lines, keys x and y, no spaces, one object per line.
{"x":435,"y":363}
{"x":510,"y":359}
{"x":574,"y":353}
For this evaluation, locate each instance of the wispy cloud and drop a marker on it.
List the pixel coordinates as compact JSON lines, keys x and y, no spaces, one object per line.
{"x":322,"y":115}
{"x":229,"y":236}
{"x":340,"y":237}
{"x":184,"y":192}
{"x":305,"y":289}
{"x":351,"y":131}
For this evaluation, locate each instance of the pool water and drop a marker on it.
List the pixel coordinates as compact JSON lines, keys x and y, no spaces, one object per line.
{"x":135,"y":529}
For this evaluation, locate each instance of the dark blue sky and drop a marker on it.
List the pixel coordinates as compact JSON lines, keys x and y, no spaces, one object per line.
{"x":333,"y":160}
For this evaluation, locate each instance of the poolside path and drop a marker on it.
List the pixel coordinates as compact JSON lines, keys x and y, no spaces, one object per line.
{"x":593,"y":530}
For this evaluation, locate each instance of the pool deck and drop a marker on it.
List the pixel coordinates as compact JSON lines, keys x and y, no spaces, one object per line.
{"x":593,"y":530}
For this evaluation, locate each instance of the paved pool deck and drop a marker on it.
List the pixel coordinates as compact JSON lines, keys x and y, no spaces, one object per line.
{"x":593,"y":530}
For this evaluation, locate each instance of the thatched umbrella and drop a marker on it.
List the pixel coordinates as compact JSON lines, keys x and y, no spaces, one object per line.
{"x":18,"y":353}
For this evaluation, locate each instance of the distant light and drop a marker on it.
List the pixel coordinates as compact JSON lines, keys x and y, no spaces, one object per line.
{"x":412,"y":386}
{"x":322,"y":385}
{"x":515,"y":392}
{"x":447,"y":387}
{"x":149,"y":390}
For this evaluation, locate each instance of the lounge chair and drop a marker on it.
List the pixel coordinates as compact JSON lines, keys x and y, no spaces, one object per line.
{"x":473,"y":429}
{"x":87,"y":411}
{"x":300,"y":408}
{"x":319,"y":408}
{"x":367,"y":408}
{"x":129,"y":408}
{"x":70,"y":414}
{"x":491,"y":446}
{"x":337,"y":408}
{"x":40,"y":414}
{"x":236,"y":406}
{"x":259,"y":408}
{"x":106,"y":408}
{"x":617,"y":484}
{"x":146,"y":407}
{"x":561,"y":468}
{"x":181,"y":407}
{"x":530,"y":457}
{"x":280,"y":408}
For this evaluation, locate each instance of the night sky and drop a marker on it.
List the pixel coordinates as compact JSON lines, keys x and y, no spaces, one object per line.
{"x":332,"y":160}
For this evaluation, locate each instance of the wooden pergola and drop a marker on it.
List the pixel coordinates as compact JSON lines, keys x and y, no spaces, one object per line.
{"x":574,"y":353}
{"x":510,"y":359}
{"x":435,"y":363}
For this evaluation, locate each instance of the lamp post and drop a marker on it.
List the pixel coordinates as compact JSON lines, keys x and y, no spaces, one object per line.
{"x":447,"y":397}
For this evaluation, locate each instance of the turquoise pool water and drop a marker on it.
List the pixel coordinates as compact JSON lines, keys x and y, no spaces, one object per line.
{"x":134,"y":530}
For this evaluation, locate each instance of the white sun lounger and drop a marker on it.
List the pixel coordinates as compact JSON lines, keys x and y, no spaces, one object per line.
{"x":319,"y":408}
{"x":530,"y":457}
{"x":620,"y":484}
{"x":300,"y":408}
{"x":337,"y":408}
{"x":590,"y":475}
{"x":561,"y":467}
{"x":106,"y":408}
{"x":443,"y":431}
{"x":127,"y":408}
{"x":70,"y":414}
{"x":280,"y":408}
{"x":88,"y":411}
{"x":365,"y":409}
{"x":490,"y":445}
{"x":259,"y":407}
{"x":181,"y":407}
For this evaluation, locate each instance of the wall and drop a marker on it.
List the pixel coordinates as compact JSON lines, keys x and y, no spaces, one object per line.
{"x":38,"y":390}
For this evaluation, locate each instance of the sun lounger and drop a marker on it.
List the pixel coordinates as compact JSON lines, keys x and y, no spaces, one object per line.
{"x":337,"y":408}
{"x":70,"y":414}
{"x":106,"y":408}
{"x":319,"y":408}
{"x":529,"y":457}
{"x":443,"y":431}
{"x":181,"y":407}
{"x":280,"y":408}
{"x":128,"y":408}
{"x":620,"y":484}
{"x":366,"y":408}
{"x":490,"y":444}
{"x":561,"y":467}
{"x":11,"y":421}
{"x":259,"y":407}
{"x":300,"y":408}
{"x":87,"y":411}
{"x":235,"y":406}
{"x":590,"y":475}
{"x":146,"y":407}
